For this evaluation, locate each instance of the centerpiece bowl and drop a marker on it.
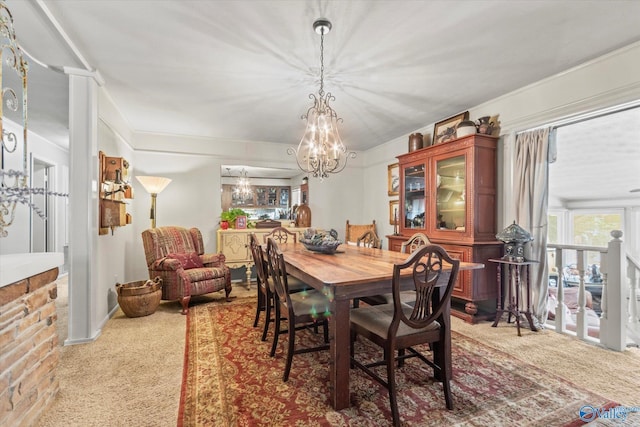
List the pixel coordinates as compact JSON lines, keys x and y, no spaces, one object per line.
{"x":321,"y":241}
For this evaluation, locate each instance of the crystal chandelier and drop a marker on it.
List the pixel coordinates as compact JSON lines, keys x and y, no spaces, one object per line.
{"x":321,"y":151}
{"x":14,"y":185}
{"x":242,"y":190}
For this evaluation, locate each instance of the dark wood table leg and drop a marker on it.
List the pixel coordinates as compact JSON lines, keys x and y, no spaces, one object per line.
{"x":339,"y":336}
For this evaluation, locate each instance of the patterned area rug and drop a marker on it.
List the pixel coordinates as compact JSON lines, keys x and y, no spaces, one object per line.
{"x":230,"y":380}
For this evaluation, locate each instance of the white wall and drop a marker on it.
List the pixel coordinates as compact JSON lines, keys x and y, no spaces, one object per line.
{"x":113,"y":246}
{"x":192,"y":199}
{"x":610,"y":80}
{"x":18,"y":237}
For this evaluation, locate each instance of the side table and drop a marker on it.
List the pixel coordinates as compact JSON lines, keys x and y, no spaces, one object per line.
{"x":513,"y":270}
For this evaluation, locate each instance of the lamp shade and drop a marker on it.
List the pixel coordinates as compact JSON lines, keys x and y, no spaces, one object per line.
{"x":153,"y":184}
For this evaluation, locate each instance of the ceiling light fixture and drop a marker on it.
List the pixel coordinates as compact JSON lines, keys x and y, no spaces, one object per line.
{"x":243,"y":189}
{"x":321,"y":151}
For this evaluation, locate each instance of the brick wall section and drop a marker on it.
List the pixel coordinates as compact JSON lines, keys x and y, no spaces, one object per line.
{"x":29,"y":352}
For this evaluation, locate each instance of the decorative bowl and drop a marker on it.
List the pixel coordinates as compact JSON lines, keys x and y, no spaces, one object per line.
{"x":326,"y":247}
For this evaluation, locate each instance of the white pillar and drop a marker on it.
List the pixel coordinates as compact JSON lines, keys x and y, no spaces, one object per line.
{"x":613,"y":324}
{"x":83,"y":204}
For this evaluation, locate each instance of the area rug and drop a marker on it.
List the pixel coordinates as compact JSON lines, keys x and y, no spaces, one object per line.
{"x":230,"y":380}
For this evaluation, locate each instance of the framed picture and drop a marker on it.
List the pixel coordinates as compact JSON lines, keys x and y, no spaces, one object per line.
{"x":241,"y":222}
{"x":393,"y":179}
{"x":393,"y":211}
{"x":446,"y":130}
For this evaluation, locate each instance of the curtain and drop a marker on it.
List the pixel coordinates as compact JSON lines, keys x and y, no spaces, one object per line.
{"x":531,"y":185}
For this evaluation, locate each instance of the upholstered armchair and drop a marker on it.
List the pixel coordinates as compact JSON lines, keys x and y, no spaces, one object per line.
{"x":177,"y":256}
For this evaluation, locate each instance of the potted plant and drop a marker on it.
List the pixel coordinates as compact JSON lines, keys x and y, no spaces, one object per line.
{"x":228,"y":218}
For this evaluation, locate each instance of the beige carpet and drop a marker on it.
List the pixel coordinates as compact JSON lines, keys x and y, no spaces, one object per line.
{"x":131,"y":375}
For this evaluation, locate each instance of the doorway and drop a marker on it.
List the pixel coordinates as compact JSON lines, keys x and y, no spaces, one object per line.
{"x":43,"y":224}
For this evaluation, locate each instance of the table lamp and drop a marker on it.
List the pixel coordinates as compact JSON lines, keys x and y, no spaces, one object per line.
{"x":153,"y":185}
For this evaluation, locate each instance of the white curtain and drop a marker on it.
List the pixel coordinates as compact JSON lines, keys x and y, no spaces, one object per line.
{"x":531,"y":197}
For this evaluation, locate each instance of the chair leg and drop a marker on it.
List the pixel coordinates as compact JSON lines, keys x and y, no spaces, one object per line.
{"x":276,"y":332}
{"x":268,"y":304}
{"x":290,"y":349}
{"x":391,"y":381}
{"x":260,"y":307}
{"x":448,"y":398}
{"x":400,"y":360}
{"x":356,"y":302}
{"x":185,"y":304}
{"x":325,"y":326}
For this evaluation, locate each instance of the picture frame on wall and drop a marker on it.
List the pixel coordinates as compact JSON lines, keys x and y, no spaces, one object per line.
{"x":393,"y":179}
{"x":445,"y":130}
{"x":241,"y":222}
{"x":393,"y":211}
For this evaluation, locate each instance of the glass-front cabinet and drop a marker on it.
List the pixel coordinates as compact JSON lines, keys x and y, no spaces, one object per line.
{"x":414,"y":200}
{"x":448,"y":192}
{"x":451,"y":193}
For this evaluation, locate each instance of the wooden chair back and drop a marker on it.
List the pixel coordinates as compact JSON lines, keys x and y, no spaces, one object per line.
{"x":278,"y":272}
{"x":369,"y":239}
{"x":280,"y":235}
{"x":259,"y":262}
{"x":431,"y":299}
{"x":353,"y":231}
{"x":416,"y":241}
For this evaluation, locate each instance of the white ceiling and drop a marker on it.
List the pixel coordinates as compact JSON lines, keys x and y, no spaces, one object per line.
{"x":243,"y":69}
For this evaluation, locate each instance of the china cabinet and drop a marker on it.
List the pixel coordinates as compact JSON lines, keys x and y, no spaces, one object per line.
{"x":448,"y":192}
{"x":272,"y":196}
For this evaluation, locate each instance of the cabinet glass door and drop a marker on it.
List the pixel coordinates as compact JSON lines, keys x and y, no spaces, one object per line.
{"x":451,"y":184}
{"x":273,"y":196}
{"x":261,"y":196}
{"x":284,"y":197}
{"x":414,"y":182}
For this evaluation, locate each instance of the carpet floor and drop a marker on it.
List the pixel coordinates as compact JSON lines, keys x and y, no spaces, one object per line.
{"x":230,"y":380}
{"x":132,"y":374}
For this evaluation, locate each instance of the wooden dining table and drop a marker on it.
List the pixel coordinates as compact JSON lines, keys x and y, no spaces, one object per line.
{"x":351,"y":272}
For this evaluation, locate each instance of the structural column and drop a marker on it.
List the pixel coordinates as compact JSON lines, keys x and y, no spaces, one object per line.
{"x":83,"y":204}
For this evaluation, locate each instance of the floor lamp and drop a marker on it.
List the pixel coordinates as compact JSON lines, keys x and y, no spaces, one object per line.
{"x":153,"y":185}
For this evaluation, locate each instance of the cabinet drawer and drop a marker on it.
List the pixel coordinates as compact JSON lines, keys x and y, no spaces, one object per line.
{"x":235,"y":247}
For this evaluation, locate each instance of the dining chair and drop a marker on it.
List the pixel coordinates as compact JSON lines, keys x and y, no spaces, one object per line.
{"x":280,"y":235}
{"x":369,"y":239}
{"x":265,"y":289}
{"x":354,"y":230}
{"x":416,"y":241}
{"x":398,"y":326}
{"x":302,"y":310}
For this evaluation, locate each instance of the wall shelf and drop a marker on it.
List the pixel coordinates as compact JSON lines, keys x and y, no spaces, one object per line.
{"x":114,"y":190}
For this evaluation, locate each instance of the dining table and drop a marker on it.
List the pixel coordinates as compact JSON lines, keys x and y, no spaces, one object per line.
{"x":351,"y":272}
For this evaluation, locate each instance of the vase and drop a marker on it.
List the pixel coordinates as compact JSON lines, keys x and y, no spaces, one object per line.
{"x":415,"y":141}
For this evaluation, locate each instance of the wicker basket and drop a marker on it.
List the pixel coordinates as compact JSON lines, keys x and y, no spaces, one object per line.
{"x":140,"y":298}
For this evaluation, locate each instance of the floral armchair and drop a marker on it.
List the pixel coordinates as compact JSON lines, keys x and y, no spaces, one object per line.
{"x":177,"y":256}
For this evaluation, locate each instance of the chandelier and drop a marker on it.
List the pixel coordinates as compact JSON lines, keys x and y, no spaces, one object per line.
{"x":14,"y":184}
{"x":242,"y":190}
{"x":321,"y":151}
